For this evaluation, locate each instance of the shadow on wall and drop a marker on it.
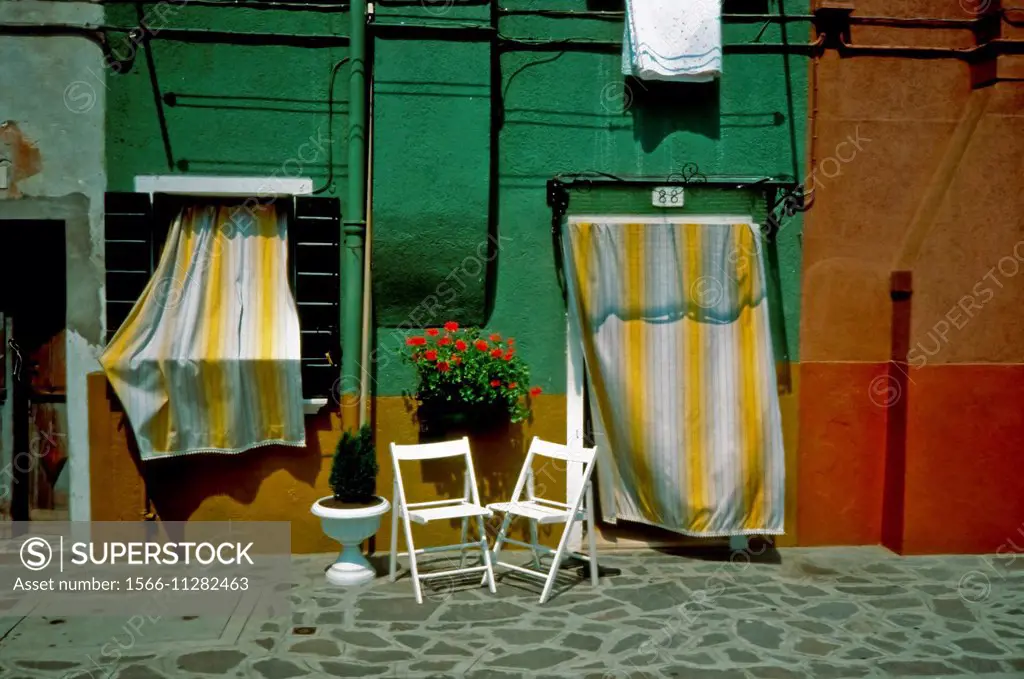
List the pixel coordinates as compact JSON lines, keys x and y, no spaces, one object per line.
{"x":660,"y":109}
{"x":210,"y":475}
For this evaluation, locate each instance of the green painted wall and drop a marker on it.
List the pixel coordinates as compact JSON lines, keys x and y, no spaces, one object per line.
{"x":250,"y":109}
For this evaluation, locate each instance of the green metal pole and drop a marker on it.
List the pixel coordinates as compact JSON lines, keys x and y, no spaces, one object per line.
{"x":354,"y":224}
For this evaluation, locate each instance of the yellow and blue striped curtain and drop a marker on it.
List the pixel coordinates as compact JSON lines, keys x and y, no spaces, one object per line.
{"x":674,"y":325}
{"x":208,"y":359}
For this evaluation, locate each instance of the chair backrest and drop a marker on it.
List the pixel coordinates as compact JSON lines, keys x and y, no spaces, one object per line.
{"x":539,"y":447}
{"x":435,"y":451}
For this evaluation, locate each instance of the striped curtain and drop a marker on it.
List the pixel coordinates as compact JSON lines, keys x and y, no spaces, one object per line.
{"x":208,"y":358}
{"x":674,"y":326}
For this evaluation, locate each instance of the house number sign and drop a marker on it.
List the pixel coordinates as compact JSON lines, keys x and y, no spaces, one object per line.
{"x":667,"y":196}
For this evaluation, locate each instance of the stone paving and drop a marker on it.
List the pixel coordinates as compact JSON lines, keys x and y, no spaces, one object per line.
{"x":822,"y":613}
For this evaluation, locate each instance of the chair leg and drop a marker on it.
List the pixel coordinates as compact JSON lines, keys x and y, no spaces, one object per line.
{"x":393,"y":570}
{"x":489,"y":573}
{"x":465,"y":533}
{"x":592,"y":536}
{"x":556,"y":561}
{"x":534,"y":542}
{"x":498,"y":541}
{"x":412,"y":559}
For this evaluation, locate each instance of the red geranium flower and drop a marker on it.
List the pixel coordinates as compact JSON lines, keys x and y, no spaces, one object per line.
{"x":510,"y":341}
{"x":460,"y":345}
{"x":457,"y":360}
{"x":442,"y":366}
{"x":496,"y":353}
{"x":444,"y":341}
{"x":509,"y":354}
{"x":416,"y":341}
{"x":535,"y":391}
{"x":481,"y":345}
{"x":433,"y":332}
{"x":451,"y":326}
{"x":495,"y":337}
{"x":513,"y":385}
{"x":430,"y":355}
{"x":495,"y":383}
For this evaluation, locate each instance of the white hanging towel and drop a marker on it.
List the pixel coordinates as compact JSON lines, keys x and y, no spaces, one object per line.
{"x":208,"y":359}
{"x":677,"y":40}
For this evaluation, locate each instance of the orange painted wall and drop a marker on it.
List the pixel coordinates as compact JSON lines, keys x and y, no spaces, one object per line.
{"x":281,"y":483}
{"x":933,"y":189}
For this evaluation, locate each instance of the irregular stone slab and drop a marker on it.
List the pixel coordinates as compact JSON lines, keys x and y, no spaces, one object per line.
{"x":316,"y":647}
{"x":931,"y":650}
{"x":411,"y":640}
{"x":344,"y":669}
{"x":812,"y":626}
{"x":582,"y":642}
{"x":883,"y":569}
{"x":265,"y":643}
{"x":741,"y":656}
{"x":138,"y":672}
{"x":893,"y":603}
{"x":917,"y":668}
{"x":887,"y":646}
{"x":861,"y":653}
{"x":832,"y":610}
{"x":378,"y":656}
{"x":210,"y":662}
{"x":432,"y":666}
{"x":760,"y":633}
{"x":364,"y":639}
{"x":654,"y":597}
{"x":275,"y":668}
{"x":331,"y":618}
{"x":399,"y":610}
{"x":871,"y":590}
{"x":977,"y":665}
{"x":594,"y":606}
{"x":714,"y":639}
{"x":952,"y":608}
{"x":700,"y":659}
{"x":483,"y":611}
{"x":520,"y":637}
{"x":806,"y":590}
{"x":830,"y":671}
{"x":47,"y":664}
{"x":535,"y":659}
{"x":492,"y":674}
{"x":687,"y":672}
{"x":442,"y":648}
{"x":814,"y":646}
{"x":776,"y":673}
{"x":979,"y":645}
{"x":630,"y":643}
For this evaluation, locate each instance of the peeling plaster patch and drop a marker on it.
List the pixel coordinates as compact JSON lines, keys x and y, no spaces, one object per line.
{"x":23,"y":155}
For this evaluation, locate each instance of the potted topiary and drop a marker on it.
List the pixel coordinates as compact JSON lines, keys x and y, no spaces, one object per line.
{"x":353,"y":513}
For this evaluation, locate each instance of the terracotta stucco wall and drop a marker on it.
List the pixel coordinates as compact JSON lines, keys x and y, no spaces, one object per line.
{"x":932,"y":189}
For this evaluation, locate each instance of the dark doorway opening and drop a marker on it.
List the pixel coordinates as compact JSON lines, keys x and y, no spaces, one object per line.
{"x":33,"y":309}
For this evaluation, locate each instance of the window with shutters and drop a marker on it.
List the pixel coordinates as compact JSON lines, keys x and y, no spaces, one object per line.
{"x":136,"y":229}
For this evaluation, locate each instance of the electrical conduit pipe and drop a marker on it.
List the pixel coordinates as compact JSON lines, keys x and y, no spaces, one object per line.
{"x":354,"y":220}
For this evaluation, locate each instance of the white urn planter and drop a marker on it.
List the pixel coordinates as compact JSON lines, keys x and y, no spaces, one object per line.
{"x":350,"y":526}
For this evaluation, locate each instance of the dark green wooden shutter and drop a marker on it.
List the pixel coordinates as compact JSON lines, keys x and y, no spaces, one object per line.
{"x":314,"y":235}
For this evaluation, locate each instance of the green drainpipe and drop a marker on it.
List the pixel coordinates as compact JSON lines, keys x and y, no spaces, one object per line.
{"x":354,"y":224}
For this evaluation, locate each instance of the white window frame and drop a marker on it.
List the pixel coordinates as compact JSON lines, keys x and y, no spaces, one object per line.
{"x":241,"y":187}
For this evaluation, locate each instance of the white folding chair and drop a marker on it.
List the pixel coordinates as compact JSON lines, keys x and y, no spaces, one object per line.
{"x":422,"y":513}
{"x":539,"y":510}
